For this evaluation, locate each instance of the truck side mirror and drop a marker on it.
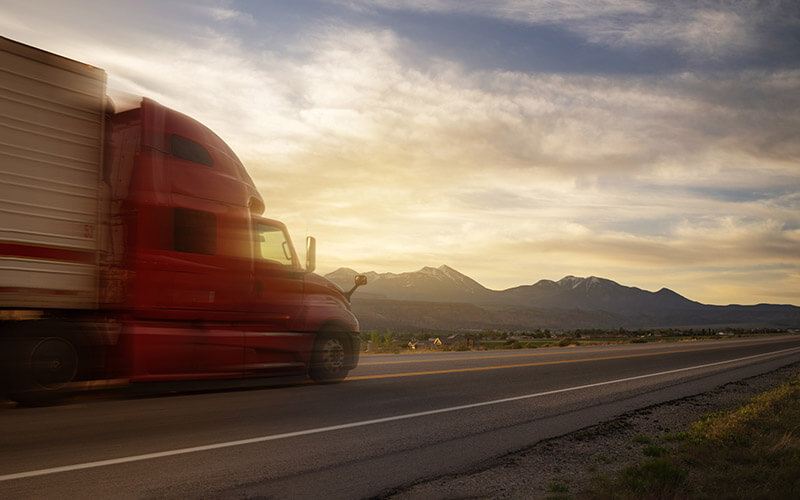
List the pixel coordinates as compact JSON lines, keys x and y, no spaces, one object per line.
{"x":359,"y":280}
{"x":311,"y":254}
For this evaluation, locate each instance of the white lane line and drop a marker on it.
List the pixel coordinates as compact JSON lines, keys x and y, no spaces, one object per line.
{"x":318,"y":430}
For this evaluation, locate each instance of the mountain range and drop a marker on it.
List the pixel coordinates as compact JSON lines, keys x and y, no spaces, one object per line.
{"x":445,"y":299}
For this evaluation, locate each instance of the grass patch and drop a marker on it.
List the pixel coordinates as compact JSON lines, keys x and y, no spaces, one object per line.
{"x":658,"y":478}
{"x":558,"y":490}
{"x":678,"y":436}
{"x":655,"y":451}
{"x":750,"y":452}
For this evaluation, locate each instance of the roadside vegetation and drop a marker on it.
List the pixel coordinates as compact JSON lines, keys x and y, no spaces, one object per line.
{"x":750,"y":452}
{"x":397,"y":342}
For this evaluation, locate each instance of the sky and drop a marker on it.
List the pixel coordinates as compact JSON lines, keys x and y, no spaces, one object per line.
{"x":653,"y":143}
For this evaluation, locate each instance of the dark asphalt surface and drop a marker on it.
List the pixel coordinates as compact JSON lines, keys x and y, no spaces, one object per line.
{"x":397,"y":420}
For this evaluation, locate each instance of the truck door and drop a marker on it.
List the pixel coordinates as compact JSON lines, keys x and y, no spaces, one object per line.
{"x":274,"y":343}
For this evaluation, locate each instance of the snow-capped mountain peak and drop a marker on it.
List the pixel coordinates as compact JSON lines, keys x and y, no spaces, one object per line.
{"x":570,"y":281}
{"x":573,"y":282}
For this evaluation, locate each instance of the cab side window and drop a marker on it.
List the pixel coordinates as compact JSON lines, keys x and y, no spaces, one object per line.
{"x":195,"y":231}
{"x":274,"y":246}
{"x":187,"y":149}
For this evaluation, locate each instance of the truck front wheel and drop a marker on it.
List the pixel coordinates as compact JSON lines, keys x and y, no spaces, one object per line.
{"x":329,"y":358}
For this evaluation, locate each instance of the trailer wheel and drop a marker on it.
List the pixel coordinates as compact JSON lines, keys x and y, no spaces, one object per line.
{"x":329,"y":358}
{"x":53,"y":363}
{"x":43,"y":370}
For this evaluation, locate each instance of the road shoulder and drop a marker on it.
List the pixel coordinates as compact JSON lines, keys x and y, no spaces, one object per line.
{"x":568,"y":463}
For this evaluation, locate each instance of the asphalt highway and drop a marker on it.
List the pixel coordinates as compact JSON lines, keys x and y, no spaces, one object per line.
{"x":396,"y":420}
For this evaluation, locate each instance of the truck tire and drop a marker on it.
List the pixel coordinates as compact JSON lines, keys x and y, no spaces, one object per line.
{"x":329,"y":359}
{"x":42,"y":369}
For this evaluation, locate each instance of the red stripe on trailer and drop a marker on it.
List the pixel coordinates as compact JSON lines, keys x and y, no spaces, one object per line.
{"x":44,"y":252}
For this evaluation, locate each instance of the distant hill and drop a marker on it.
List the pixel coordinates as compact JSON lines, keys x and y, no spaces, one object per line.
{"x":442,"y":284}
{"x":594,"y":293}
{"x":445,"y":299}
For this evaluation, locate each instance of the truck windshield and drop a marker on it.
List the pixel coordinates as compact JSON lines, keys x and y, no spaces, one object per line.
{"x":274,"y":245}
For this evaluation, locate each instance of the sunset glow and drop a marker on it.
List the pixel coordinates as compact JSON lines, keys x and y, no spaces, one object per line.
{"x":513,"y":140}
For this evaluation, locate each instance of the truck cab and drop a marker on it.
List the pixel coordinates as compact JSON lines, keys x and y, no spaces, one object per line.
{"x":213,"y":289}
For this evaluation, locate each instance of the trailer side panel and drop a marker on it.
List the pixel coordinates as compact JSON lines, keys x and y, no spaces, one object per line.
{"x":51,"y":145}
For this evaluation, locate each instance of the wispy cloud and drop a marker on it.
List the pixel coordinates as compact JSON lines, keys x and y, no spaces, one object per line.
{"x":699,"y":30}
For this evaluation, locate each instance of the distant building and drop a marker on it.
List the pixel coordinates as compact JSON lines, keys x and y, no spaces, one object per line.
{"x":415,"y":344}
{"x":442,"y":341}
{"x":455,"y":339}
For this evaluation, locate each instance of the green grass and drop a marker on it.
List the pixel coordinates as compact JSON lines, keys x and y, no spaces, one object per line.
{"x":655,"y":451}
{"x":657,"y":478}
{"x":750,"y":452}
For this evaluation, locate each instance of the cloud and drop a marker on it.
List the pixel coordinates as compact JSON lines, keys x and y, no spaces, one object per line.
{"x":225,"y":13}
{"x":530,"y":11}
{"x":700,"y":31}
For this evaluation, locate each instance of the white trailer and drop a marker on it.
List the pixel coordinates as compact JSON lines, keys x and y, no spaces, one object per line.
{"x":51,"y":145}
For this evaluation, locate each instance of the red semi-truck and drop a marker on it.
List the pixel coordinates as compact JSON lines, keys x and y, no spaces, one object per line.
{"x":133,"y":248}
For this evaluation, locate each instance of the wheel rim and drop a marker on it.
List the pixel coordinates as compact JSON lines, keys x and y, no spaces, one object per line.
{"x":332,"y":356}
{"x":54,"y":363}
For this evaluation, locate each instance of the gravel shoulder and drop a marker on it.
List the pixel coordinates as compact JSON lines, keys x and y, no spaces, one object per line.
{"x":548,"y":468}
